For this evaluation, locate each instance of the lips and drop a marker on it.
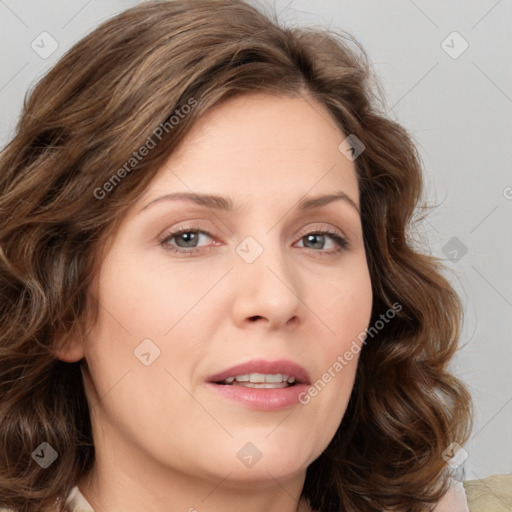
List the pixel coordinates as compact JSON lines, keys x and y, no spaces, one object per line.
{"x":261,"y":385}
{"x":260,"y":370}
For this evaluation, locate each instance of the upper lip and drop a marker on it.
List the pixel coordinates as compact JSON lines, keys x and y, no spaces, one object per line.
{"x":282,"y":366}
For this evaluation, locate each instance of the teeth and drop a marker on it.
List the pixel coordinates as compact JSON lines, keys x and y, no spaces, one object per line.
{"x":256,"y":377}
{"x":266,"y":385}
{"x":261,"y":379}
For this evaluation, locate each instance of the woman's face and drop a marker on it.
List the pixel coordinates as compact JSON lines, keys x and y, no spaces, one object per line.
{"x":246,"y":284}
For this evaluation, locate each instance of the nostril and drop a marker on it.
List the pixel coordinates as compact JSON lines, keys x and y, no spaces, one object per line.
{"x":252,"y":318}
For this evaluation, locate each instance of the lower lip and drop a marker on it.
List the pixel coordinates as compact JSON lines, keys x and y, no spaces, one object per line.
{"x":263,"y":399}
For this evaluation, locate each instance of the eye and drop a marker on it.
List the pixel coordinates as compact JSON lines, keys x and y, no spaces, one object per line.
{"x":318,"y":240}
{"x":186,"y":241}
{"x":186,"y":238}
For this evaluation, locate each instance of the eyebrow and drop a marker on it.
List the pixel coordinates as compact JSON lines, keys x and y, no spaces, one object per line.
{"x":217,"y":202}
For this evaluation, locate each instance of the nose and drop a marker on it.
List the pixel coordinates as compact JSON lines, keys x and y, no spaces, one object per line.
{"x":267,"y":291}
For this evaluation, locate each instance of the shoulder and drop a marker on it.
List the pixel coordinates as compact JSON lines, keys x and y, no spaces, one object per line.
{"x":453,"y":501}
{"x":490,"y":494}
{"x":76,"y":502}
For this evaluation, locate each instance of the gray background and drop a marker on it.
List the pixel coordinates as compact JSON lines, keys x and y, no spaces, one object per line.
{"x":458,"y":109}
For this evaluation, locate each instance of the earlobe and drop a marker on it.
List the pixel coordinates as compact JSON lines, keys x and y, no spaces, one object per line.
{"x":69,"y":349}
{"x":69,"y":356}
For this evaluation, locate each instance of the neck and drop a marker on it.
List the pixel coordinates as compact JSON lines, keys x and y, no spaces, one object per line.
{"x":130,"y":485}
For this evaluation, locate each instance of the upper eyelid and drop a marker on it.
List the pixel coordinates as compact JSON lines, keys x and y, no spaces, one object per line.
{"x":319,"y":226}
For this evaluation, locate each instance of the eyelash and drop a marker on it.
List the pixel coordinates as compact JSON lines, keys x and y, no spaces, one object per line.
{"x":341,"y":242}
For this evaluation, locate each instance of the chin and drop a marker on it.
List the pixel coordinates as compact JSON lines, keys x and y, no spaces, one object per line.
{"x":266,"y":473}
{"x":279,"y":457}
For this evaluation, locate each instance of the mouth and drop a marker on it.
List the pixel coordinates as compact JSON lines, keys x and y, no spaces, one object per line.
{"x":260,"y":380}
{"x":262,"y":374}
{"x":262,"y":385}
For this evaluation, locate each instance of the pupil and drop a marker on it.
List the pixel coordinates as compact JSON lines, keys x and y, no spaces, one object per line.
{"x":312,"y":237}
{"x":189,"y":237}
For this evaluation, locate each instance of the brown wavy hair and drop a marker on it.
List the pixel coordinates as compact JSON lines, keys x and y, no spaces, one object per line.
{"x":83,"y":122}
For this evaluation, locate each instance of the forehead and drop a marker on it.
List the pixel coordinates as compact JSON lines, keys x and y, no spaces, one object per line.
{"x":264,"y":122}
{"x":264,"y":145}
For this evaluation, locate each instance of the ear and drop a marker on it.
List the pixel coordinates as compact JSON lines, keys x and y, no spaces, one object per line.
{"x":69,"y":347}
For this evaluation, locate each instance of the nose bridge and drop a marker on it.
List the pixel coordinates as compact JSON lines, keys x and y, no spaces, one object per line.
{"x":266,"y":283}
{"x":262,"y":249}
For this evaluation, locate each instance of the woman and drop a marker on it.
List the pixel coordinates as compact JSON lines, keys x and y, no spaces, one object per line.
{"x":210,"y":299}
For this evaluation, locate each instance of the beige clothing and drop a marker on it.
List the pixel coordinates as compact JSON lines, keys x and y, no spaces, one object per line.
{"x":77,"y":503}
{"x":453,"y":501}
{"x":490,"y":494}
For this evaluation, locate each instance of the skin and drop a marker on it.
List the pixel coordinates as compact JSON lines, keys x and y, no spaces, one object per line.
{"x":162,"y":437}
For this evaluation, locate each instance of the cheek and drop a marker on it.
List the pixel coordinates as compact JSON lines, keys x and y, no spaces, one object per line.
{"x":345,"y":310}
{"x":149,"y":300}
{"x":345,"y":304}
{"x":138,"y":304}
{"x":326,"y":401}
